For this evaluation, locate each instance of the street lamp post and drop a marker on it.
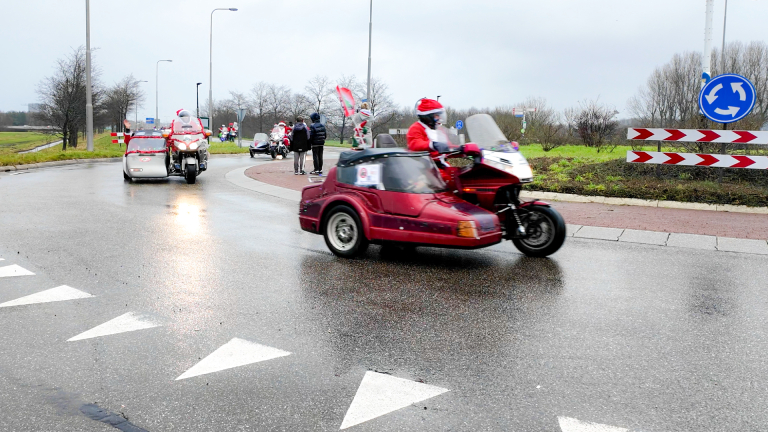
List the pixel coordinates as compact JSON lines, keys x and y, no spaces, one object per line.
{"x":210,"y":71}
{"x":88,"y":88}
{"x":198,"y":103}
{"x":136,"y":125}
{"x":156,"y":78}
{"x":722,"y":52}
{"x":370,"y":35}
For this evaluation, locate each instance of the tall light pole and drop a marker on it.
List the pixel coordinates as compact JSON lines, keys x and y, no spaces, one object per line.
{"x":198,"y":104}
{"x":707,"y":57}
{"x":136,"y":125}
{"x":156,"y":78}
{"x":722,"y":53}
{"x":370,"y":35}
{"x":210,"y":71}
{"x":88,"y":89}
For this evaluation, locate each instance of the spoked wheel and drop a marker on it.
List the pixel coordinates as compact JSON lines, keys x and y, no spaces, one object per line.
{"x":545,"y":231}
{"x":344,"y":233}
{"x":191,"y":174}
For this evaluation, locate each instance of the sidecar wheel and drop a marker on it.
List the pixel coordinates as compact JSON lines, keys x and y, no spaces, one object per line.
{"x":344,"y":234}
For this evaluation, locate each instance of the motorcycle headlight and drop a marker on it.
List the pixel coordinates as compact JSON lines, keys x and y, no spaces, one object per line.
{"x":194,"y":146}
{"x":181,"y":145}
{"x":522,"y":171}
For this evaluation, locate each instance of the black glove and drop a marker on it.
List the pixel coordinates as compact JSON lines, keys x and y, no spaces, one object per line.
{"x":440,"y":147}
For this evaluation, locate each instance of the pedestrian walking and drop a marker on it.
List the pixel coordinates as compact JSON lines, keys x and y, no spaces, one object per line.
{"x":317,"y":135}
{"x":299,"y":145}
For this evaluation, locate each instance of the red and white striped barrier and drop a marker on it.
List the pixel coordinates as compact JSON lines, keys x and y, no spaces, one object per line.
{"x":699,"y":135}
{"x":120,"y":138}
{"x":695,"y":159}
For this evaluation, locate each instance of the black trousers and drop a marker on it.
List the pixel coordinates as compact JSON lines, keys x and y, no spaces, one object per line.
{"x":317,"y":157}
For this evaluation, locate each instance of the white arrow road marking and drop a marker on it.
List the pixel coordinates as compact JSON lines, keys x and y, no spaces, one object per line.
{"x":381,"y":394}
{"x":568,"y":424}
{"x":731,"y":110}
{"x":738,"y":88}
{"x":131,"y":321}
{"x":712,"y":94}
{"x":237,"y":352}
{"x":14,"y":270}
{"x":52,"y":295}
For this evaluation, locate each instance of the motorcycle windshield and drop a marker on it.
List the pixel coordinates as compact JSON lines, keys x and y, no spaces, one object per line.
{"x":146,"y":145}
{"x":188,"y":125}
{"x":484,"y":132}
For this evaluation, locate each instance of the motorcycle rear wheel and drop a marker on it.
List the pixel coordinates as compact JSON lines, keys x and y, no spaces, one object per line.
{"x":545,"y":230}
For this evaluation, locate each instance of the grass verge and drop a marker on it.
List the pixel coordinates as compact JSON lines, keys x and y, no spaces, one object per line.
{"x":13,"y":142}
{"x":617,"y":178}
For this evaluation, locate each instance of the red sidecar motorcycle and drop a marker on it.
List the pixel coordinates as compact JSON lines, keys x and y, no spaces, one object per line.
{"x":394,"y":196}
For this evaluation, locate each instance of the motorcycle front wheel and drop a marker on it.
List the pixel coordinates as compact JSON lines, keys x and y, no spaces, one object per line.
{"x":273,"y":153}
{"x":191,"y":174}
{"x":545,"y":231}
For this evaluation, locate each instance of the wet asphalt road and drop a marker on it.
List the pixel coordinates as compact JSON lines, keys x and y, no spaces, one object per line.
{"x":639,"y":337}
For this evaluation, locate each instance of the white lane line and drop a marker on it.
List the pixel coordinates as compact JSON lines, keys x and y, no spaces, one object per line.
{"x":52,"y":295}
{"x":14,"y":270}
{"x":568,"y":424}
{"x":237,"y":352}
{"x":128,"y":322}
{"x":381,"y":394}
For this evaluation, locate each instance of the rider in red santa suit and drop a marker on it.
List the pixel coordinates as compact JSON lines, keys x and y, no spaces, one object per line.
{"x":423,"y":136}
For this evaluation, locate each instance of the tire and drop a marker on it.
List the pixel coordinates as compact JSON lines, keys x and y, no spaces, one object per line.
{"x":191,"y":174}
{"x":546,"y":230}
{"x":273,"y":153}
{"x":251,"y":154}
{"x":126,"y":177}
{"x":344,"y":234}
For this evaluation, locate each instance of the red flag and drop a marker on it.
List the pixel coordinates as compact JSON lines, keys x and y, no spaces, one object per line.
{"x":347,"y":101}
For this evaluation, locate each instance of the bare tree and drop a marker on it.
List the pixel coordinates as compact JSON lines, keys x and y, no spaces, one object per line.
{"x":62,"y":97}
{"x":277,"y":102}
{"x":120,"y":99}
{"x":299,"y":105}
{"x":595,"y":124}
{"x":319,"y":91}
{"x":259,"y":96}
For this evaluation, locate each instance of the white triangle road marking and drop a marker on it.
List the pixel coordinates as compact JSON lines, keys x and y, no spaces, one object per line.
{"x":381,"y":394}
{"x":237,"y":352}
{"x":60,"y":293}
{"x":14,"y":270}
{"x":568,"y":424}
{"x":128,"y":322}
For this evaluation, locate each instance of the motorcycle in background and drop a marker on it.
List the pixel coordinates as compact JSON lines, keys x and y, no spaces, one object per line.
{"x":277,"y":145}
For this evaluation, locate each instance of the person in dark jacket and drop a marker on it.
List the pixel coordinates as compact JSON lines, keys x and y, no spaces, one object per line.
{"x":317,"y":137}
{"x":299,"y":145}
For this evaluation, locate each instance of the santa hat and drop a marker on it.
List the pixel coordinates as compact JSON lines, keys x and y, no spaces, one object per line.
{"x":428,"y":106}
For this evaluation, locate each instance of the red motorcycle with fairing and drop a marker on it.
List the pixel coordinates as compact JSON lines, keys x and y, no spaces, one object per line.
{"x":391,"y":196}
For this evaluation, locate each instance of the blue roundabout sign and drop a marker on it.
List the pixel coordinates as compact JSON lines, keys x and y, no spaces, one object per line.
{"x":727,"y":98}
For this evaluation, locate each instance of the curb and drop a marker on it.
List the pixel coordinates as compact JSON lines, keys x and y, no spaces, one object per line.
{"x":553,"y":196}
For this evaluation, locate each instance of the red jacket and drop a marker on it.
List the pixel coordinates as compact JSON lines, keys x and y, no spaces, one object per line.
{"x":418,"y":140}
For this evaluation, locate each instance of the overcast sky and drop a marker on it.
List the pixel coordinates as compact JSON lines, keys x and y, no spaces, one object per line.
{"x":479,"y":53}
